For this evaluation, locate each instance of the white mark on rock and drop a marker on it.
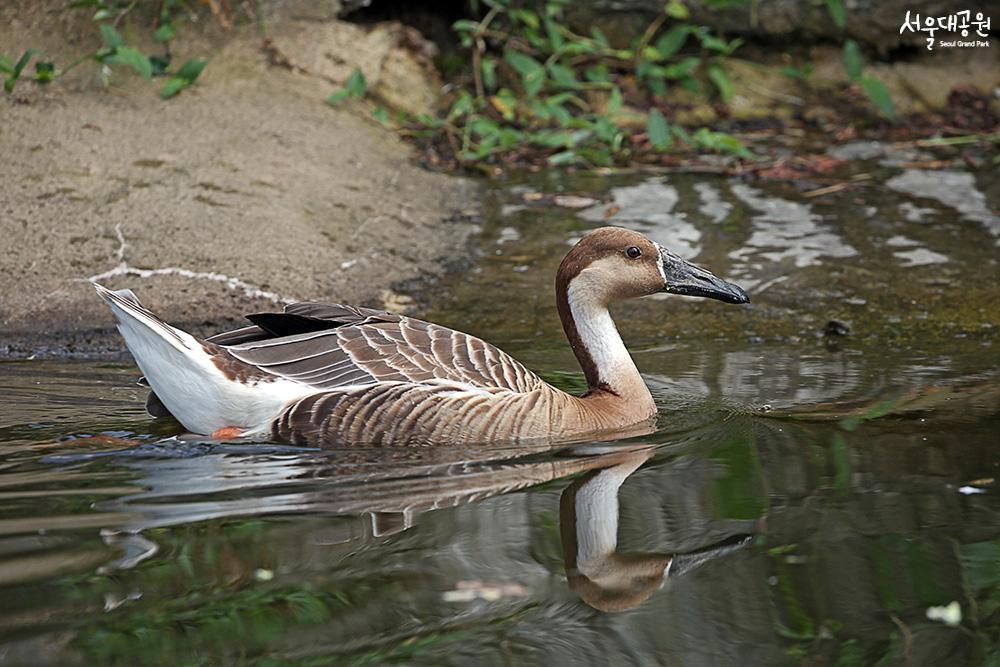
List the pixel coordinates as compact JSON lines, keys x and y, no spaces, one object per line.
{"x":123,"y":268}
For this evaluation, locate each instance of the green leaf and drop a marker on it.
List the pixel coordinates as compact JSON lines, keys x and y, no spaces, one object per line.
{"x":854,"y":62}
{"x":484,"y":127}
{"x":9,"y":83}
{"x":563,"y":157}
{"x":160,"y":64}
{"x":337,"y":97}
{"x":164,"y":33}
{"x":837,"y":13}
{"x":615,"y":102}
{"x":462,"y":106}
{"x":132,"y":57}
{"x":6,"y":65}
{"x":111,"y":38}
{"x":675,"y":9}
{"x":713,"y":43}
{"x":880,"y":97}
{"x":657,"y":130}
{"x":555,"y":38}
{"x":563,"y":76}
{"x":44,"y":72}
{"x":672,"y":40}
{"x":527,"y":17}
{"x":681,"y":69}
{"x":605,"y":130}
{"x":599,"y":37}
{"x":598,"y":73}
{"x":690,"y":84}
{"x":356,"y":84}
{"x":802,"y":73}
{"x":381,"y":115}
{"x":489,"y":69}
{"x":718,"y":76}
{"x":720,"y":141}
{"x":104,"y":13}
{"x":465,"y":25}
{"x":191,"y":69}
{"x":531,"y":71}
{"x":22,"y":62}
{"x":174,"y":85}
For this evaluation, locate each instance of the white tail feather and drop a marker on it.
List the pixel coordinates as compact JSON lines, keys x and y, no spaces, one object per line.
{"x":180,"y":370}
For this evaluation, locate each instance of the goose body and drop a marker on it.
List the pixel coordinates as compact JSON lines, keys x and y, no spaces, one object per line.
{"x":333,"y":374}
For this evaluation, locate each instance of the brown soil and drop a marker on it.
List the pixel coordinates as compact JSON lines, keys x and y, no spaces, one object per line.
{"x":243,"y":191}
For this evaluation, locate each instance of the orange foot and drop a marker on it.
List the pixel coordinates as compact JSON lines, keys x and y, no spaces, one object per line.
{"x":226,"y":433}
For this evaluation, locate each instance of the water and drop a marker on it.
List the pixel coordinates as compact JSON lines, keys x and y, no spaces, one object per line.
{"x":827,"y":493}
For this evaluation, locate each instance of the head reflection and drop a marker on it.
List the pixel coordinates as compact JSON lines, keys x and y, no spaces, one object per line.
{"x":597,"y":572}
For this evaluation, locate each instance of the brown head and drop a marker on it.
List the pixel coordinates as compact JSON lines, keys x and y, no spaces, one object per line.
{"x":619,"y":263}
{"x":612,"y":264}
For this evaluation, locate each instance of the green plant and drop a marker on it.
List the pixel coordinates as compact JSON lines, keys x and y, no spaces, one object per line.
{"x":854,"y":64}
{"x":540,"y":92}
{"x":354,"y":88}
{"x":115,"y":51}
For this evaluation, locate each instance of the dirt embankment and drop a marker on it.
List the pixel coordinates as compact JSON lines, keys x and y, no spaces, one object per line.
{"x":244,"y":191}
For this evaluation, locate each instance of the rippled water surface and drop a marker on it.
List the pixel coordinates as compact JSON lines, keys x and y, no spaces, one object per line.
{"x":808,"y":498}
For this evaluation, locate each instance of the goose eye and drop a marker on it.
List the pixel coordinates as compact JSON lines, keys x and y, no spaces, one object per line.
{"x":633,"y":252}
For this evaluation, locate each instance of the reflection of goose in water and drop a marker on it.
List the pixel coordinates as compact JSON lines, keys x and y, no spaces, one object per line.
{"x":603,"y":577}
{"x":393,"y":488}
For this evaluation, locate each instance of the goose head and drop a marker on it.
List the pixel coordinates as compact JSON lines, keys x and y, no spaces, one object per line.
{"x":613,"y":264}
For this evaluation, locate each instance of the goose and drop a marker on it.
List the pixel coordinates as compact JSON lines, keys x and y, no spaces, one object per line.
{"x":320,"y":374}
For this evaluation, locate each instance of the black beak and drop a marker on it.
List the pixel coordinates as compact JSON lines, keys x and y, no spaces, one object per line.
{"x":683,"y":277}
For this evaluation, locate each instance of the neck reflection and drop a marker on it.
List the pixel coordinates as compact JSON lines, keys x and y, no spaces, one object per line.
{"x":603,"y":577}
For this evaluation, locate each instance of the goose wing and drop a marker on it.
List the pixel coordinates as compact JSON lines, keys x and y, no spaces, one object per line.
{"x":366,"y":347}
{"x":330,"y":346}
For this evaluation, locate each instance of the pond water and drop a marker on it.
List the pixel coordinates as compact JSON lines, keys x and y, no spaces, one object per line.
{"x":807,"y":498}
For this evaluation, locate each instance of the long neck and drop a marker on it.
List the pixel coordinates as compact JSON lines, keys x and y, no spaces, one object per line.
{"x":607,"y":365}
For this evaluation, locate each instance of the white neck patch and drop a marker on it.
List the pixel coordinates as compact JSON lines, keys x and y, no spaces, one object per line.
{"x":595,"y":327}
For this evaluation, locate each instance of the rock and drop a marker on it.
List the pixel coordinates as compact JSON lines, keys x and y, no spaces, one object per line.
{"x":875,"y":23}
{"x":396,"y":60}
{"x":761,"y":91}
{"x":836,"y":328}
{"x":916,"y":85}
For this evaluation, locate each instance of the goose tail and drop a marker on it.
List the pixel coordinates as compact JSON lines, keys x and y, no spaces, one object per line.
{"x":177,"y":366}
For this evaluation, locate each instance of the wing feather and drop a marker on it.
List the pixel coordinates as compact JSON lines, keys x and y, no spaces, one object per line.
{"x":336,"y":347}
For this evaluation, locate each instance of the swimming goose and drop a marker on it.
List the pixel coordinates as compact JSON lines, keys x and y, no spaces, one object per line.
{"x":333,"y":374}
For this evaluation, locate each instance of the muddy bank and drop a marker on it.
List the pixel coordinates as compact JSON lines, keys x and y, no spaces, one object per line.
{"x":240,"y":193}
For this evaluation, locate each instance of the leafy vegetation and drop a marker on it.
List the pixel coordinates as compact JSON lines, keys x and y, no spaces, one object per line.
{"x":536,"y":92}
{"x":115,"y":51}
